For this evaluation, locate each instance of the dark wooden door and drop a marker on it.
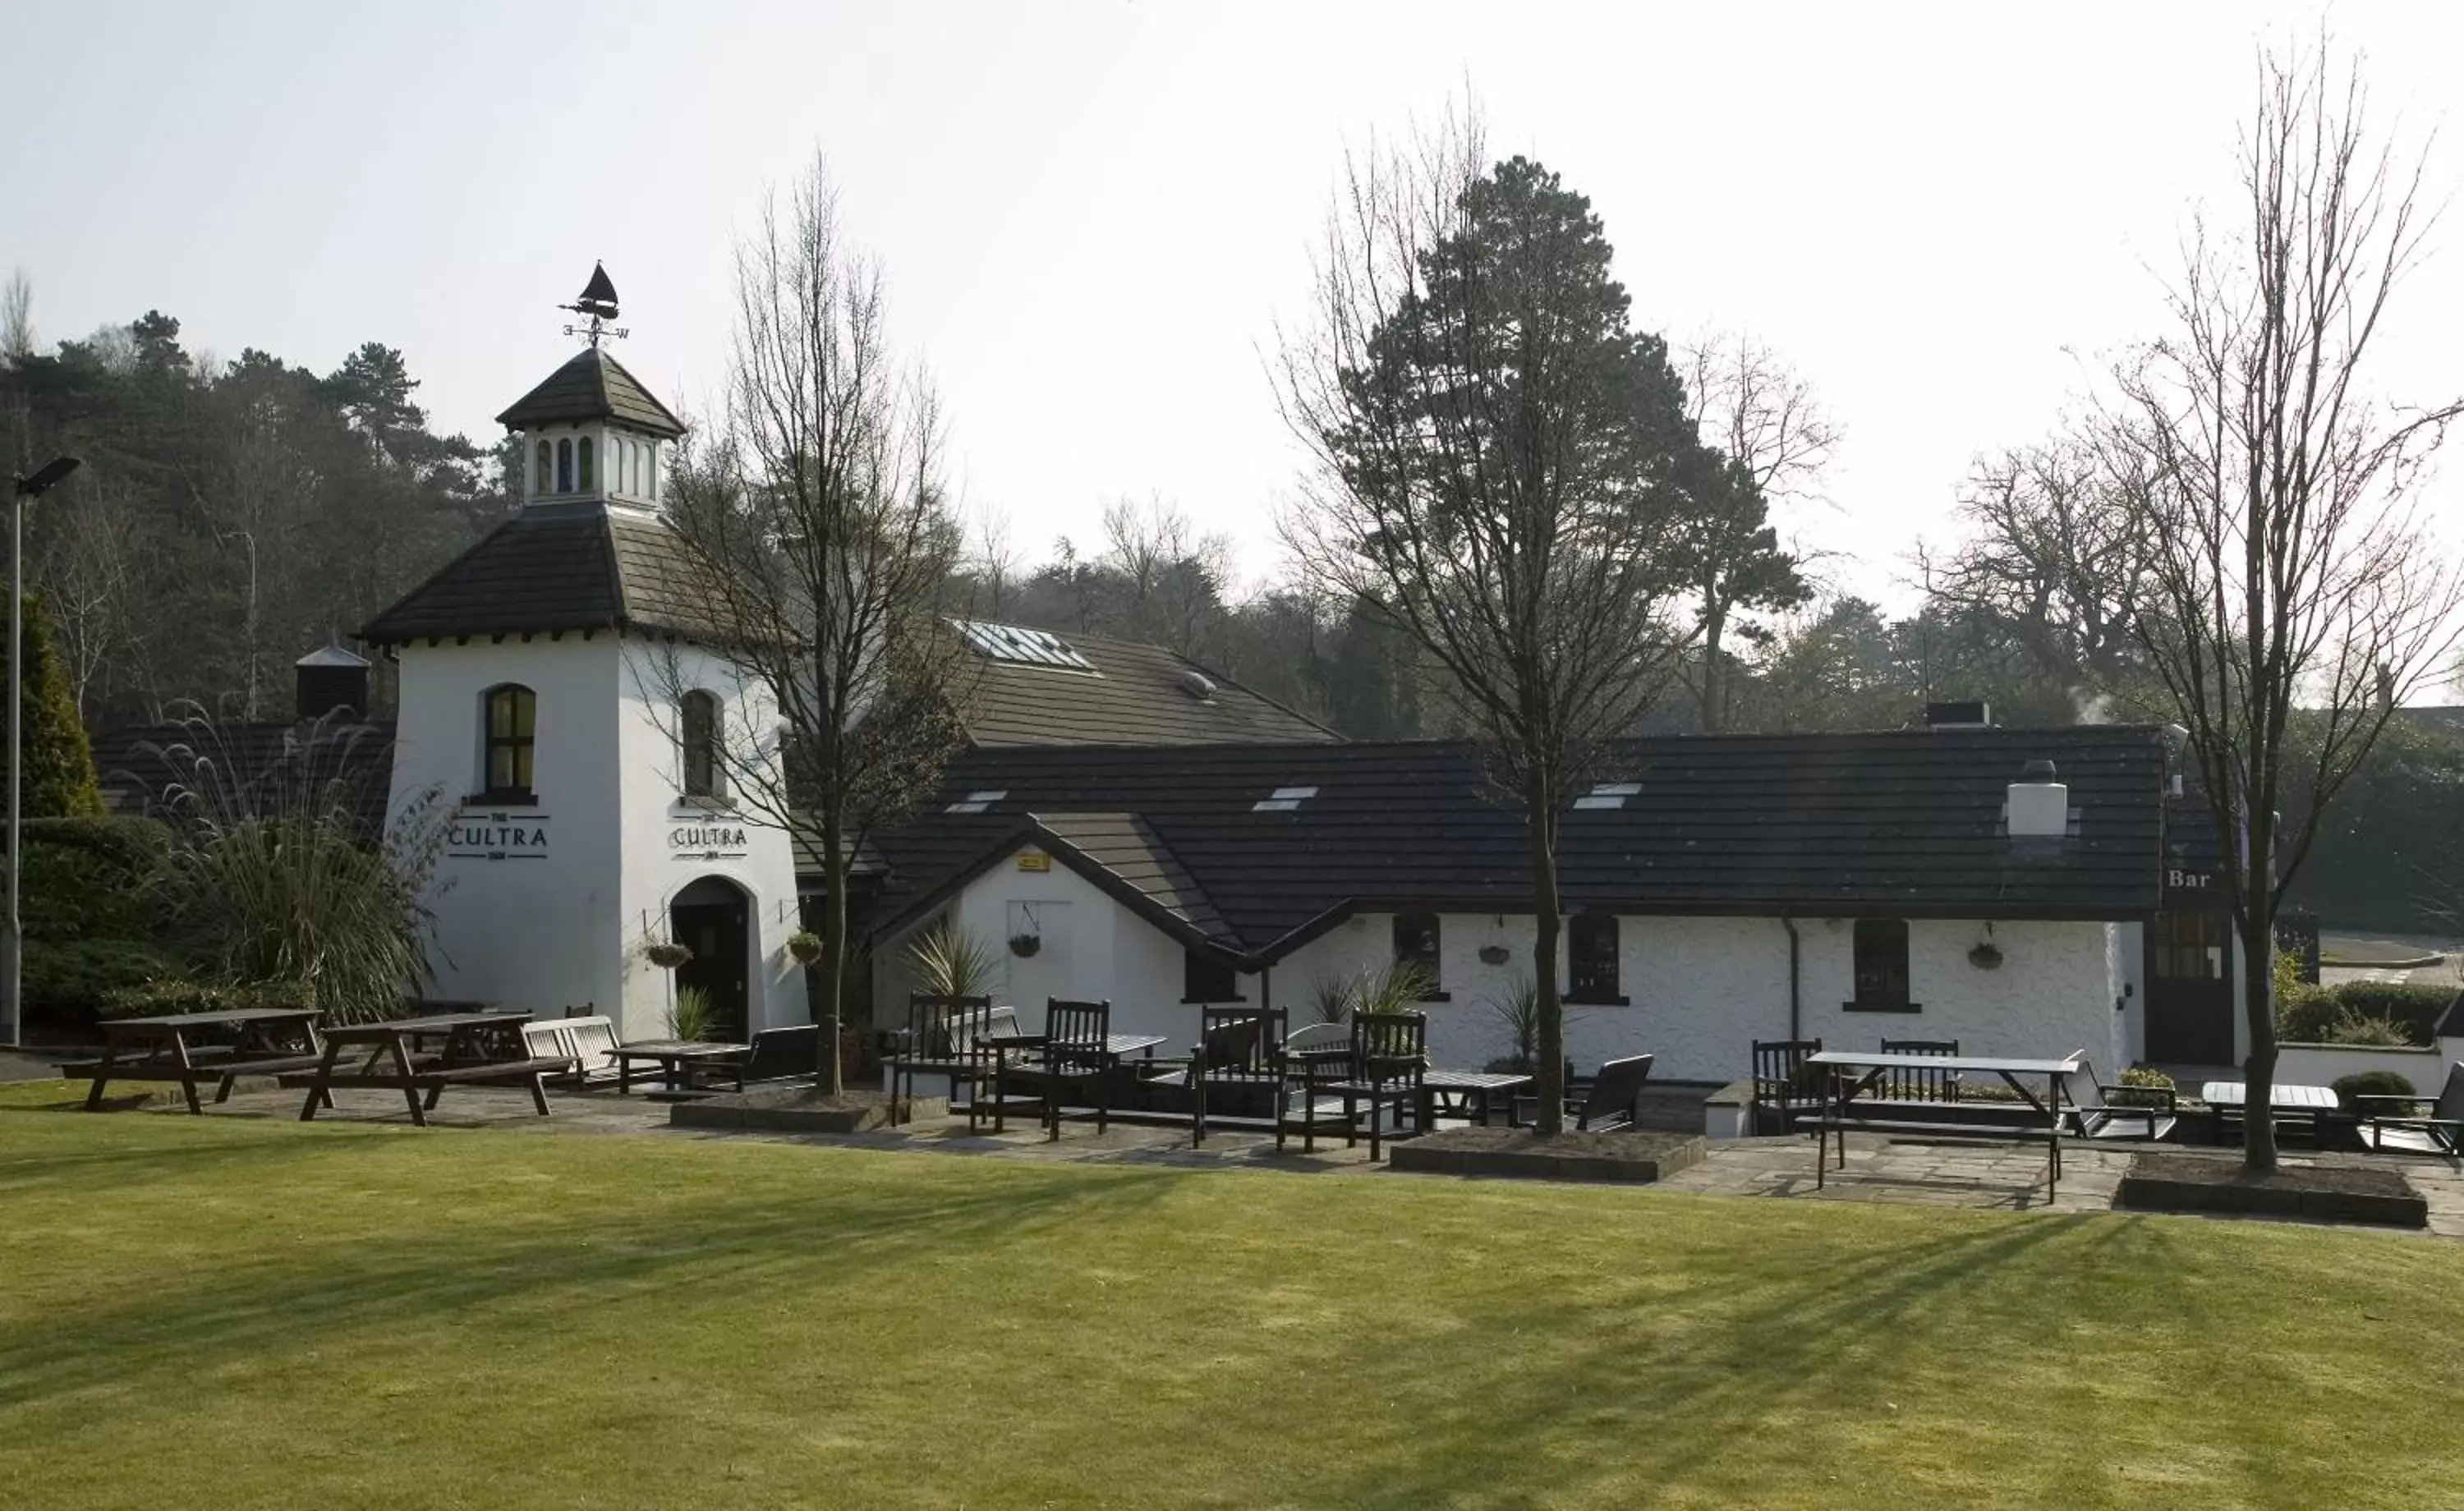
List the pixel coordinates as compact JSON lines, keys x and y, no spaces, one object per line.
{"x":716,"y":934}
{"x":2189,"y":988}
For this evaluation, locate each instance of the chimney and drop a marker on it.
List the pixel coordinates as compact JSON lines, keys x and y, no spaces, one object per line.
{"x":1974,"y":713}
{"x":330,"y":679}
{"x":2038,"y":807}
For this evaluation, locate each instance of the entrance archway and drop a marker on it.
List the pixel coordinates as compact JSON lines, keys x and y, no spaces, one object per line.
{"x":712,"y":917}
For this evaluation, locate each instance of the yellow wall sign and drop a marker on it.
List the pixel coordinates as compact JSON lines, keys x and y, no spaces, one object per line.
{"x":1034,"y":861}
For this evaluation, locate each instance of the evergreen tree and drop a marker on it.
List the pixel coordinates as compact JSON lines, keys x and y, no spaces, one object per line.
{"x":59,"y":780}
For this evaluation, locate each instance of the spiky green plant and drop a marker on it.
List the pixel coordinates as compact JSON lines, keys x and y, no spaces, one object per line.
{"x":950,"y":961}
{"x":1331,"y":997}
{"x":274,"y":875}
{"x":1399,"y":986}
{"x":1518,"y":1012}
{"x":694,"y":1018}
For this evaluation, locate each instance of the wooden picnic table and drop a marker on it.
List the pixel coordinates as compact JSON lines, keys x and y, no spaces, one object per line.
{"x":1470,"y":1092}
{"x":472,"y":1049}
{"x":189,"y":1047}
{"x":677,"y":1060}
{"x":1838,"y":1115}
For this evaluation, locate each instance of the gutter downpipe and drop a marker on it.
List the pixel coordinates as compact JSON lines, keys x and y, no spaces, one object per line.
{"x":1796,"y":1023}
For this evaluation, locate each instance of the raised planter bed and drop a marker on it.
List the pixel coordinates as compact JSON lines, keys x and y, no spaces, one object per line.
{"x":2163,"y":1181}
{"x":1632,"y":1157}
{"x":797,"y":1109}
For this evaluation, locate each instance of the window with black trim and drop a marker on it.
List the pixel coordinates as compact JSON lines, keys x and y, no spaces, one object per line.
{"x":589,"y":469}
{"x":1208,"y":978}
{"x":697,"y":730}
{"x":1416,"y":943}
{"x":1881,"y":964}
{"x":564,"y":465}
{"x":510,"y":721}
{"x":543,"y":480}
{"x":1592,"y":959}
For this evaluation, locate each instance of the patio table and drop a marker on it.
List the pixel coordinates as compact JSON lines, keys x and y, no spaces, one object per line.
{"x":1838,"y":1115}
{"x":2299,"y":1103}
{"x":1467,"y":1093}
{"x":181,"y":1047}
{"x":677,"y":1060}
{"x":474,"y":1049}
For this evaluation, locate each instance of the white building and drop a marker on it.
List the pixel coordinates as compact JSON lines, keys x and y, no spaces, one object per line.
{"x":1927,"y":885}
{"x":550,"y":689}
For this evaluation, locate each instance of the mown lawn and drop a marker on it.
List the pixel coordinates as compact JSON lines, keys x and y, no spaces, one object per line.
{"x":226,"y":1313}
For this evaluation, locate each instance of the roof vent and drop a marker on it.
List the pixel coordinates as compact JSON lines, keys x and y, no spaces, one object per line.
{"x":1283,"y":799}
{"x":979,"y":801}
{"x":1974,"y":713}
{"x":1607,"y":795}
{"x":2037,"y":807}
{"x":1197,"y":684}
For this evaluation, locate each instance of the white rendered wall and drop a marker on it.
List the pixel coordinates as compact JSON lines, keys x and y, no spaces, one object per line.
{"x":559,"y":928}
{"x":1700,"y":990}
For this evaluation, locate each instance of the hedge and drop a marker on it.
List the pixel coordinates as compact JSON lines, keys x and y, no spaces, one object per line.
{"x":178,"y":995}
{"x":2318,"y":1015}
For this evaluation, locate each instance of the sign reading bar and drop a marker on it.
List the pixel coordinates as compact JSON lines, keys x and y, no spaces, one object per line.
{"x":497,"y":836}
{"x":2189,"y":881}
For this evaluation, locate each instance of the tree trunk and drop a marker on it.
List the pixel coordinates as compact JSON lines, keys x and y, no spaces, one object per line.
{"x":2258,"y":1008}
{"x":1715,"y":621}
{"x":830,"y":1010}
{"x":1550,"y":1072}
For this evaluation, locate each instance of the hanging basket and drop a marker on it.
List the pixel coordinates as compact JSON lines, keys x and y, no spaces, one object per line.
{"x":1986,"y":957}
{"x":1494,"y":954}
{"x":667,"y":954}
{"x":805,"y":946}
{"x":1023,"y":946}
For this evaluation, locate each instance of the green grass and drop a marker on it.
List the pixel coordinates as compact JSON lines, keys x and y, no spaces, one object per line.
{"x":225,"y":1312}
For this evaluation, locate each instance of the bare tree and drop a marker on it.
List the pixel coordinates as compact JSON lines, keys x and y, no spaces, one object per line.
{"x":994,"y":562}
{"x":17,"y":317}
{"x":817,"y":520}
{"x":1495,"y":456}
{"x":1171,"y":577}
{"x":2055,"y":557}
{"x":89,"y":576}
{"x":2288,"y":579}
{"x":1771,"y":439}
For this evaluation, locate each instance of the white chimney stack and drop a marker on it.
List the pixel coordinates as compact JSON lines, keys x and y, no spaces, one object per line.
{"x":2038,"y":807}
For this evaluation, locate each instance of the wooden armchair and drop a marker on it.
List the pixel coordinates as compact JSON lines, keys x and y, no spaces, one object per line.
{"x":943,"y":1037}
{"x":1610,"y":1104}
{"x":1784,"y":1083}
{"x":1390,"y":1051}
{"x":1239,"y":1055}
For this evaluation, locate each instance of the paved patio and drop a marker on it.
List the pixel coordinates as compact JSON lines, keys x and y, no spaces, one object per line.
{"x":1974,"y":1174}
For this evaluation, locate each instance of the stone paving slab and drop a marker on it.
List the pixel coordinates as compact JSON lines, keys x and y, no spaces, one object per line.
{"x":1977,"y":1176}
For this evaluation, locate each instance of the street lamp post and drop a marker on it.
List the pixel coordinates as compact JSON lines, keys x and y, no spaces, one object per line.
{"x":26,"y":485}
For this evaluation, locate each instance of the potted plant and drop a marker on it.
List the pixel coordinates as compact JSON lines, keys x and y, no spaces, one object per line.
{"x":1986,"y":956}
{"x":1493,"y":955}
{"x":949,"y":961}
{"x":1025,"y":946}
{"x":666,"y":953}
{"x":805,"y":946}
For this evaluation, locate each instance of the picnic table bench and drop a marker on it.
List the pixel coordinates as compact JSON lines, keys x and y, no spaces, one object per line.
{"x":189,"y":1047}
{"x":474,"y":1049}
{"x":2040,"y":1124}
{"x":677,"y":1060}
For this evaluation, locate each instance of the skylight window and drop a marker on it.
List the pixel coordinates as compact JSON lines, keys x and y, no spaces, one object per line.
{"x":977,"y":801}
{"x":1284,"y":799}
{"x":1608,"y":795}
{"x":1020,"y":645}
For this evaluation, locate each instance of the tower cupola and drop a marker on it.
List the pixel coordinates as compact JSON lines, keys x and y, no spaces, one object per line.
{"x":591,"y":433}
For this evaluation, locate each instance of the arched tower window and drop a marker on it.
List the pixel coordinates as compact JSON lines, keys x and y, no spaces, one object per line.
{"x":564,"y":466}
{"x":543,"y":472}
{"x":511,"y":724}
{"x":653,"y":465}
{"x":698,"y":732}
{"x":590,"y":473}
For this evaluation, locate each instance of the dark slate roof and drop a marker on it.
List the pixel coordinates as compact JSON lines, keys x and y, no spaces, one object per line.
{"x":592,"y":386}
{"x":141,"y":766}
{"x":1895,"y":825}
{"x":1135,"y":695}
{"x":1125,"y":848}
{"x":551,"y":568}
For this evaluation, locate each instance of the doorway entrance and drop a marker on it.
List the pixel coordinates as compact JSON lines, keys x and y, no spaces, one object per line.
{"x":712,"y":918}
{"x":2189,"y":988}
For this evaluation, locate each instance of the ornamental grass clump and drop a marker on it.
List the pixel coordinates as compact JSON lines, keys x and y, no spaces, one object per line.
{"x":950,"y":961}
{"x":274,"y":875}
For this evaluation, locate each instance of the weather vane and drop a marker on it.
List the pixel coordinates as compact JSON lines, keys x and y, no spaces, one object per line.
{"x":598,"y":301}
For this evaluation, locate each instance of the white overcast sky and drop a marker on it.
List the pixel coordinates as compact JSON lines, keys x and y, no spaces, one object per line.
{"x":1093,"y":214}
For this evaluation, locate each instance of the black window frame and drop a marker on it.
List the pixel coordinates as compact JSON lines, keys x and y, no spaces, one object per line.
{"x":564,"y":464}
{"x":1207,"y":977}
{"x":1425,"y":933}
{"x":1878,"y":967}
{"x":1585,"y":984}
{"x":585,"y":465}
{"x":519,"y":744}
{"x":704,"y":776}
